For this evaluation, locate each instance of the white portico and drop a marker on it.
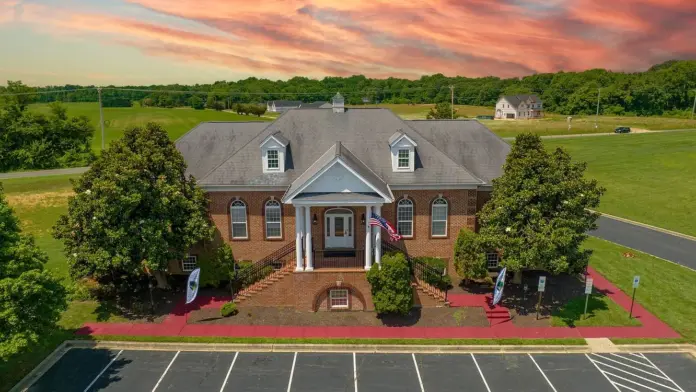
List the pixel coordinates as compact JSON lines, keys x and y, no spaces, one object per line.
{"x":348,"y":193}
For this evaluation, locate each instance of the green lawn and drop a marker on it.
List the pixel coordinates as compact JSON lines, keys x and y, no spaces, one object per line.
{"x":667,"y":290}
{"x":647,"y":176}
{"x":601,"y":311}
{"x":176,"y":121}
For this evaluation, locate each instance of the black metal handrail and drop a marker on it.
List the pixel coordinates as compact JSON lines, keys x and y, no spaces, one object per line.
{"x":327,"y":258}
{"x":419,"y":269}
{"x":246,"y":276}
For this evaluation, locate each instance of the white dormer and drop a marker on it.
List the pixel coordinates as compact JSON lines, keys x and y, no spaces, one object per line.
{"x":273,"y":153}
{"x":403,"y":152}
{"x":338,"y":103}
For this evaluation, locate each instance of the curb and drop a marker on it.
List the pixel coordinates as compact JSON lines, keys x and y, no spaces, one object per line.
{"x":42,"y":367}
{"x":647,"y":226}
{"x":339,"y":348}
{"x":657,"y":348}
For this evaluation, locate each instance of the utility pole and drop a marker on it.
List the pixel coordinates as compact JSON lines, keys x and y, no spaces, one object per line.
{"x":599,"y":93}
{"x":101,"y":117}
{"x":451,"y":87}
{"x":694,"y":108}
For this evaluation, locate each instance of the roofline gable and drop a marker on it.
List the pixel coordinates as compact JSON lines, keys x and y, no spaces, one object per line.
{"x":287,"y":198}
{"x":402,"y":136}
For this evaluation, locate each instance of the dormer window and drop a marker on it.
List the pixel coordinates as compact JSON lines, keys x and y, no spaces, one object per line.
{"x":273,"y":153}
{"x":403,"y":152}
{"x":272,"y":160}
{"x":404,"y":159}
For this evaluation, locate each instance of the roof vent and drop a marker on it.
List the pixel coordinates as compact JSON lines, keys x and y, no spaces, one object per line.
{"x":338,"y":103}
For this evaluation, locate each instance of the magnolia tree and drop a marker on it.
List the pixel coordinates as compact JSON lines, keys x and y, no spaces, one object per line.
{"x":133,"y":211}
{"x":31,"y":300}
{"x":538,"y":214}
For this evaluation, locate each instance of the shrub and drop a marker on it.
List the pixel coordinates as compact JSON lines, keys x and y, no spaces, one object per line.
{"x":437,"y":279}
{"x":216,"y":266}
{"x":229,"y":309}
{"x":391,"y":285}
{"x":469,"y":256}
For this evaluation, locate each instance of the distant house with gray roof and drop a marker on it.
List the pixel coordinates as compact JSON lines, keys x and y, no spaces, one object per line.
{"x":281,"y":106}
{"x":299,"y":194}
{"x":520,"y":107}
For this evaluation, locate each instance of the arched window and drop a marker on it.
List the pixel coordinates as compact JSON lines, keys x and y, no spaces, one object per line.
{"x":238,"y":214}
{"x":404,"y":218}
{"x":273,"y":219}
{"x":438,"y":216}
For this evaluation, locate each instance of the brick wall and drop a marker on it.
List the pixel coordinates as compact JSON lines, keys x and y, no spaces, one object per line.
{"x":309,"y":291}
{"x":462,"y":207}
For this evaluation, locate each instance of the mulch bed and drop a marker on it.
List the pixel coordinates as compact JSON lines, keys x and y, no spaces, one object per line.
{"x":559,"y":290}
{"x":424,"y":317}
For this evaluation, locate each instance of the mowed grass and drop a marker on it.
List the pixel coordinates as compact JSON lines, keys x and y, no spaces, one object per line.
{"x":38,"y":203}
{"x":176,"y":121}
{"x":649,"y":177}
{"x":557,"y":124}
{"x":601,"y":311}
{"x":420,"y":111}
{"x":666,"y":289}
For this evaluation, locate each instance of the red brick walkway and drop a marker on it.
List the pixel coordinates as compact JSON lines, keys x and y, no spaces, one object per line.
{"x":176,"y":324}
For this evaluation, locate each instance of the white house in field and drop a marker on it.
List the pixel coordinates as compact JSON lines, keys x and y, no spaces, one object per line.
{"x":519,"y":107}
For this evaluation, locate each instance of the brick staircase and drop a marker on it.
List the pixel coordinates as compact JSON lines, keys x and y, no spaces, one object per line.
{"x":433,"y":292}
{"x":281,"y":263}
{"x":249,"y":291}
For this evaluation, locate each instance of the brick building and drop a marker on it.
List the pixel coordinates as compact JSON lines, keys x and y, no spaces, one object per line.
{"x":300,"y":191}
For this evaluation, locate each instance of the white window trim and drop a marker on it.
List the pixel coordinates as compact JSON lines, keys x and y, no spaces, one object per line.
{"x":332,"y":297}
{"x":399,"y":221}
{"x":266,"y":222}
{"x":432,"y":216}
{"x":232,"y":222}
{"x":184,"y":262}
{"x":399,"y":158}
{"x":268,"y":160}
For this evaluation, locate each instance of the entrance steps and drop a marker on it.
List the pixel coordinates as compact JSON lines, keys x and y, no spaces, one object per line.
{"x":262,"y":284}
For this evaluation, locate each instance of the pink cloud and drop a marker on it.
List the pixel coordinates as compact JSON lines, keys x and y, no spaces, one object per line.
{"x":382,"y":37}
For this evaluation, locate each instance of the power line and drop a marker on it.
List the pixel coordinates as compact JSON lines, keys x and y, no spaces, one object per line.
{"x":47,"y":92}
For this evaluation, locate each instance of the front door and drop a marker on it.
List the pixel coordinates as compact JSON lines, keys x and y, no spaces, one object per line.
{"x":339,"y":229}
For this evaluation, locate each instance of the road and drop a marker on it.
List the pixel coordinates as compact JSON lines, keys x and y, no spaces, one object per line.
{"x":570,"y":136}
{"x":43,"y":173}
{"x":139,"y":370}
{"x":664,"y":245}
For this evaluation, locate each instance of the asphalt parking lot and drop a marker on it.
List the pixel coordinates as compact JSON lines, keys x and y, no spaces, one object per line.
{"x":81,"y":369}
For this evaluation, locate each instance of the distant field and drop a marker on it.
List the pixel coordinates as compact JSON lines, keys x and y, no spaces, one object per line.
{"x":420,"y":111}
{"x":649,"y":177}
{"x":176,"y":121}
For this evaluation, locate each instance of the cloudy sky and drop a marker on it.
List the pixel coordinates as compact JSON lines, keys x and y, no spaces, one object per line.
{"x":200,"y":41}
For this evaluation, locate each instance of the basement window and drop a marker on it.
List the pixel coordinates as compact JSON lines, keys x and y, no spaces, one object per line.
{"x":189,"y":263}
{"x":492,"y":260}
{"x":338,"y":299}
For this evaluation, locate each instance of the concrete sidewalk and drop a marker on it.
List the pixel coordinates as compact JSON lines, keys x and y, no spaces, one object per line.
{"x":43,"y":173}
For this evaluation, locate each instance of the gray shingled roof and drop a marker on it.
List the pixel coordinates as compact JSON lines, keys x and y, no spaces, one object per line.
{"x":467,"y":142}
{"x":364,"y":131}
{"x":515,"y":100}
{"x":211,"y":143}
{"x":341,"y":152}
{"x":316,"y":105}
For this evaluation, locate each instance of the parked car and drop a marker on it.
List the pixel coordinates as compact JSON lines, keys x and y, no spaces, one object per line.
{"x":481,"y":117}
{"x":622,"y":130}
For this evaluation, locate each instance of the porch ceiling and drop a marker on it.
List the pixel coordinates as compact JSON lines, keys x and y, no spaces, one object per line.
{"x":338,"y":198}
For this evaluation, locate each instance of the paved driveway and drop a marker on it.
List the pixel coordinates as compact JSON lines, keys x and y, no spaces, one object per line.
{"x":670,"y":247}
{"x":130,"y":371}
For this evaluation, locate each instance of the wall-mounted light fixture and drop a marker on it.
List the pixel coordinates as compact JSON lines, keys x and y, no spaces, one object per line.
{"x":362,"y":219}
{"x":314,"y":219}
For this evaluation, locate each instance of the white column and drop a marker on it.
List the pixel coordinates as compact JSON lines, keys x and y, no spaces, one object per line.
{"x":377,"y":231}
{"x":299,"y":230}
{"x":309,"y":266}
{"x":368,"y":238}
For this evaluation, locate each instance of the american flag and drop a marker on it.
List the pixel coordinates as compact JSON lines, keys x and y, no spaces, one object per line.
{"x":376,"y":220}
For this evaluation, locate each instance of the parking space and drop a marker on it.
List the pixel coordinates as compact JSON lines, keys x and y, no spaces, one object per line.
{"x":87,"y":370}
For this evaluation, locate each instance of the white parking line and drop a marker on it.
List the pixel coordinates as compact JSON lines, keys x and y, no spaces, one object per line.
{"x":292,"y":371}
{"x":102,"y":371}
{"x":355,"y":374}
{"x":613,"y":384}
{"x":481,"y":373}
{"x":663,"y":373}
{"x":629,"y":366}
{"x":632,"y":377}
{"x":417,"y":372}
{"x":165,"y":371}
{"x":229,"y":371}
{"x":632,"y":360}
{"x":542,"y":372}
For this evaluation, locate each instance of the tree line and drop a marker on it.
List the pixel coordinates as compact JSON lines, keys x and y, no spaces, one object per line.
{"x":664,"y":89}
